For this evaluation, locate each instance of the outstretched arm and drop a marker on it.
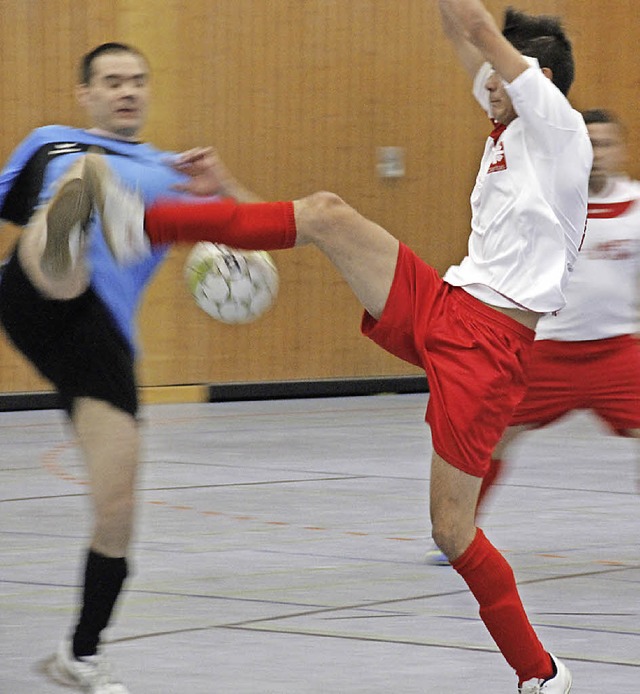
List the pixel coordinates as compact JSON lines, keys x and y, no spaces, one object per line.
{"x":208,"y":176}
{"x":476,"y":39}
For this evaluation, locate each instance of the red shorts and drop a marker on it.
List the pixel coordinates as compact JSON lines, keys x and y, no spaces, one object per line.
{"x":598,"y":375}
{"x":474,"y":358}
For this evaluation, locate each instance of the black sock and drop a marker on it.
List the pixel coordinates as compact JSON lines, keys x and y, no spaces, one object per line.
{"x":103,"y":579}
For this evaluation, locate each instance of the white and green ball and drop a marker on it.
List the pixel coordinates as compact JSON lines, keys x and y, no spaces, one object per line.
{"x":230,"y":285}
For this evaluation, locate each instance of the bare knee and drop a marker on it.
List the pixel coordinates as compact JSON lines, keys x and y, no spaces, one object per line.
{"x":452,"y":538}
{"x":320,"y":215}
{"x":452,"y":527}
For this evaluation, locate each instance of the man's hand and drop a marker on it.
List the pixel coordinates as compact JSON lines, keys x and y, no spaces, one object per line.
{"x":209,"y":176}
{"x":477,"y":38}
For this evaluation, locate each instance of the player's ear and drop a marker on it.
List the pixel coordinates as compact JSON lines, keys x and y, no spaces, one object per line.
{"x":82,"y":94}
{"x":548,"y":73}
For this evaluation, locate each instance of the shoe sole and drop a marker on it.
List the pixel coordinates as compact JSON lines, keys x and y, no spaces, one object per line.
{"x":69,"y":207}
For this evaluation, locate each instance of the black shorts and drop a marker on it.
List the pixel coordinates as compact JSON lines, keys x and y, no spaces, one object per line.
{"x":75,"y":344}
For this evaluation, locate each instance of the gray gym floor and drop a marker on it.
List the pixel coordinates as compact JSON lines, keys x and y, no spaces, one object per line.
{"x":280,"y":551}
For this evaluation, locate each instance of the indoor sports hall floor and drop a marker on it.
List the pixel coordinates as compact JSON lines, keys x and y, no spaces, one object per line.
{"x":280,"y":551}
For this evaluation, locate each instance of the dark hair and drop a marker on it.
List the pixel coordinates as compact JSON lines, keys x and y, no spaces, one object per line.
{"x":542,"y":37}
{"x":599,"y":115}
{"x":86,"y":64}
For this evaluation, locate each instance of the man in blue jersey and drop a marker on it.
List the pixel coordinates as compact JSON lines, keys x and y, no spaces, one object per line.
{"x":70,"y":309}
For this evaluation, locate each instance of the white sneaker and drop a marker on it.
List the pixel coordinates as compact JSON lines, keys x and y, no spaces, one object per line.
{"x":92,"y":674}
{"x":121,"y":211}
{"x":560,"y":683}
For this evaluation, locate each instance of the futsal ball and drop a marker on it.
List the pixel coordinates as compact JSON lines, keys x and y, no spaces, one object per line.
{"x":230,"y":285}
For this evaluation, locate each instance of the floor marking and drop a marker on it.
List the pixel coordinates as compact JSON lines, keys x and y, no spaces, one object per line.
{"x":50,"y":460}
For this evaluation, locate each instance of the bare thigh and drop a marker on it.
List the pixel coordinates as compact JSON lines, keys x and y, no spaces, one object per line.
{"x":362,"y":251}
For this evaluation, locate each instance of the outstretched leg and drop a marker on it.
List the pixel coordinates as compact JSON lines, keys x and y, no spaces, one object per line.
{"x":361,"y":250}
{"x":51,"y":247}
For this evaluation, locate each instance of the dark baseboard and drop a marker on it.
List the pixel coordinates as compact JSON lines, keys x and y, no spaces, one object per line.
{"x":264,"y":390}
{"x":322,"y":388}
{"x":17,"y":402}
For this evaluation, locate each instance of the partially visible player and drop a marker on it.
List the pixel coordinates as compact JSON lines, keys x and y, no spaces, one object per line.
{"x":471,"y":330}
{"x":587,"y":356}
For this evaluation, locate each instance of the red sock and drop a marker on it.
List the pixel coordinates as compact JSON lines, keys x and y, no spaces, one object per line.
{"x":493,"y":474}
{"x":493,"y":585}
{"x":256,"y":226}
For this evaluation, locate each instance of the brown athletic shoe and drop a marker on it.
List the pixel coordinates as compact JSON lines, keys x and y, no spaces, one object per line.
{"x":67,"y":215}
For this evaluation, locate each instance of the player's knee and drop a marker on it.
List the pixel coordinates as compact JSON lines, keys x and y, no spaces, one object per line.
{"x":442,"y":537}
{"x":320,"y":215}
{"x":451,"y":537}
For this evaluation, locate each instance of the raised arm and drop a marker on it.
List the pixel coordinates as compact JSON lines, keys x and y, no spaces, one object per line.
{"x":476,"y":39}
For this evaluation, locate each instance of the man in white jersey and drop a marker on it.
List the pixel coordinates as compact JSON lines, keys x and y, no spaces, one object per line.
{"x":472,"y":330}
{"x":587,"y":356}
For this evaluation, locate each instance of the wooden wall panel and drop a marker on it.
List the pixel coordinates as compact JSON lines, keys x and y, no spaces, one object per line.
{"x":606,"y":38}
{"x":296,"y":96}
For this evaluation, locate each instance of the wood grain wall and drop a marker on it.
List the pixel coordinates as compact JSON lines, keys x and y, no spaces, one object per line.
{"x":296,"y":95}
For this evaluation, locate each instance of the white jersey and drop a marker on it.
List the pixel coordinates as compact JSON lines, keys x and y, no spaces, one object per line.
{"x":602,"y":294}
{"x":529,"y":201}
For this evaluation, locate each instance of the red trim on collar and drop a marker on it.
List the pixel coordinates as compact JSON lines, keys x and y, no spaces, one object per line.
{"x":498,"y":129}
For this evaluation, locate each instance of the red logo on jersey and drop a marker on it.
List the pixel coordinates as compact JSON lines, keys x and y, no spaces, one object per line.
{"x":498,"y":159}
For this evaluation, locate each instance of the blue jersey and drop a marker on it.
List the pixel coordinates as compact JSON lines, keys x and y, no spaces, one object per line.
{"x":28,"y":180}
